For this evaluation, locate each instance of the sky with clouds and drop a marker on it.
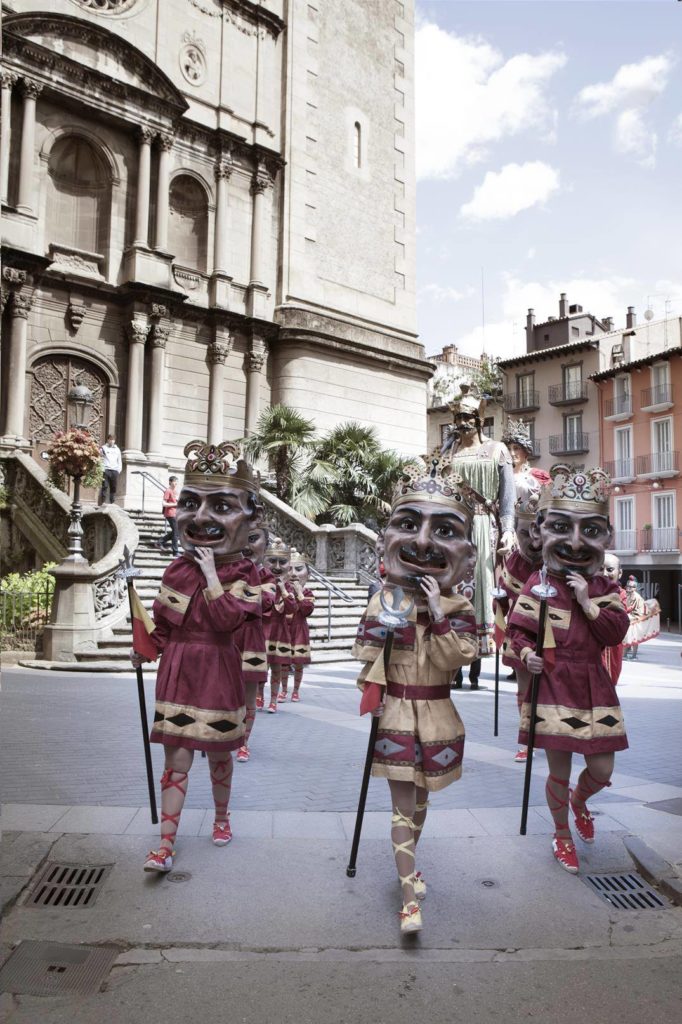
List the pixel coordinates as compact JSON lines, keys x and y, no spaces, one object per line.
{"x":549,"y":159}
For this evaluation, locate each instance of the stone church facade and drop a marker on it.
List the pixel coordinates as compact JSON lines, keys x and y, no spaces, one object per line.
{"x":208,"y":206}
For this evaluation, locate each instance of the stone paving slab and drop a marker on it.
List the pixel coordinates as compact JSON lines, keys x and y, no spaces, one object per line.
{"x":31,"y":817}
{"x":95,"y":819}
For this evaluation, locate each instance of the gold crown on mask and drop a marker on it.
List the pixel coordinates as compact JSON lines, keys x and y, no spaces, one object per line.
{"x":517,"y":432}
{"x":219,"y":464}
{"x":278,"y":549}
{"x":435,"y":479}
{"x":575,"y":489}
{"x":527,"y":505}
{"x":298,"y":559}
{"x":467,"y":404}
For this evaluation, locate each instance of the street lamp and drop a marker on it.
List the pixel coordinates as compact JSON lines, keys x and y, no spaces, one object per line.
{"x":80,"y":397}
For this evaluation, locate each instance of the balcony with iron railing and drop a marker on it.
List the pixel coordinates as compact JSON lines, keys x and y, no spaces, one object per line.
{"x":656,"y":399}
{"x":521,"y":401}
{"x":621,"y":471}
{"x":618,"y":408}
{"x":625,"y":542}
{"x":662,"y":539}
{"x":658,"y":464}
{"x":536,"y":452}
{"x":567,"y":393}
{"x":577,"y":443}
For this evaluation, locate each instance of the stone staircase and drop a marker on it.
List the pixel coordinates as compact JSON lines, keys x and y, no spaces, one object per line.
{"x":328,"y":645}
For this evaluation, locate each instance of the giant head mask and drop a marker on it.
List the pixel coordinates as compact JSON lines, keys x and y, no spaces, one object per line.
{"x":278,"y":559}
{"x":529,"y":544}
{"x":218,"y":503}
{"x":300,"y":572}
{"x":573,"y":520}
{"x":429,"y":531}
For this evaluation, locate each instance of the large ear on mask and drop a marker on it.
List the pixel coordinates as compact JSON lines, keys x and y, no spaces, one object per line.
{"x":535,"y":532}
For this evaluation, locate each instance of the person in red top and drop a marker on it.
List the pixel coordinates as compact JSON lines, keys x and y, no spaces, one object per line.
{"x":204,"y":598}
{"x":251,"y":639}
{"x":299,"y":630}
{"x":169,"y":504}
{"x":278,"y":560}
{"x":613,"y":656}
{"x":577,"y":708}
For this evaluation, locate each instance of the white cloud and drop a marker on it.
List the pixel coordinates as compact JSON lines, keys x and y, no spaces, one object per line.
{"x":632,"y":86}
{"x":628,"y":95}
{"x":440,"y":293}
{"x":675,"y":133}
{"x":469,"y":97}
{"x":516,"y":187}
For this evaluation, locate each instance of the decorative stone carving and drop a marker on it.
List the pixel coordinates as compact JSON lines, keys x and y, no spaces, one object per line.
{"x":146,"y":134}
{"x":255,"y":361}
{"x":108,"y":6}
{"x":31,"y":88}
{"x":75,"y":314}
{"x":336,"y":554}
{"x":159,"y":336}
{"x":9,"y":79}
{"x":224,"y":166}
{"x":51,"y":379}
{"x":158,"y":310}
{"x":88,"y":264}
{"x":165,"y":141}
{"x":186,"y":279}
{"x":21,"y":305}
{"x":138,"y":331}
{"x":193,"y":58}
{"x":367,"y":558}
{"x":262,"y":179}
{"x":218,"y":351}
{"x":14,"y":276}
{"x":109,"y":593}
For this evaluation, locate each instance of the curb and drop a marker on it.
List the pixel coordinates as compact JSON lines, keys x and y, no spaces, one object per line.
{"x":655,"y":869}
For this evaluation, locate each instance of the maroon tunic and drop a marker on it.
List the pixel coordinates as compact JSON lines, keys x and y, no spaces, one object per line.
{"x":578,"y":709}
{"x":251,"y":635}
{"x":279,"y":633}
{"x":515,"y":574}
{"x":200,"y":685}
{"x":299,"y":630}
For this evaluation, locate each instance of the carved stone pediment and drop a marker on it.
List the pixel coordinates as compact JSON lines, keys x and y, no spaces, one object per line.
{"x":70,"y":40}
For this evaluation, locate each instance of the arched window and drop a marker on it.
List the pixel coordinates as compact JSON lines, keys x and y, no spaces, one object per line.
{"x":357,"y":144}
{"x":78,"y":195}
{"x":188,"y":222}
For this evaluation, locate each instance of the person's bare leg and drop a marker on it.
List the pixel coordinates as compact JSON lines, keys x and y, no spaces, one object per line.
{"x":275,"y":677}
{"x":403,"y":799}
{"x":298,"y":679}
{"x":178,"y":761}
{"x":419,"y":818}
{"x":221,"y":767}
{"x":251,"y":692}
{"x":595,"y":776}
{"x":556,"y":792}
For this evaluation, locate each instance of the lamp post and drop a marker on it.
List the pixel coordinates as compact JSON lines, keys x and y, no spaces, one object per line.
{"x":79,"y":399}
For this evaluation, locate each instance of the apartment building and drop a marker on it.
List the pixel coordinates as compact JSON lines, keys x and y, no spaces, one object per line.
{"x":640,"y":409}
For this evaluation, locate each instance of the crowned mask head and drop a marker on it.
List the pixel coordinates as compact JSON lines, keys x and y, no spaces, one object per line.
{"x":468,"y":410}
{"x":299,"y":566}
{"x":257,"y":543}
{"x":573,"y":520}
{"x":519,"y":442}
{"x":428,"y":533}
{"x":218,"y":503}
{"x":526,"y":510}
{"x":278,"y":558}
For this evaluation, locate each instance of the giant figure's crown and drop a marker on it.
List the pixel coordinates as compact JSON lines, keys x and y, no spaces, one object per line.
{"x":434,"y":480}
{"x":467,"y":404}
{"x":219,"y":465}
{"x":517,"y":432}
{"x":575,"y":489}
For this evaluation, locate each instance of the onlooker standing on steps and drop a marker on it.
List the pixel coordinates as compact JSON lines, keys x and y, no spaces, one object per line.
{"x":113,"y":464}
{"x":170,"y":505}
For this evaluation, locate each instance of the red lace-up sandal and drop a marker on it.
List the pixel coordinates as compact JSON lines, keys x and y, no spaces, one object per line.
{"x":584,"y":822}
{"x":410,"y":918}
{"x":565,"y":854}
{"x":161,"y":860}
{"x":222,"y":832}
{"x":243,"y":753}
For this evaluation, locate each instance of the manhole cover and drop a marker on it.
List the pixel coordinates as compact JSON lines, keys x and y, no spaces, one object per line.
{"x":68,"y":885}
{"x":626,"y":892}
{"x":48,"y":968}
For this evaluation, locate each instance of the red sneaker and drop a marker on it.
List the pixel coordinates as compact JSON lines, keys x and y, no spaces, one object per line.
{"x":565,"y":854}
{"x":159,"y":860}
{"x":521,"y":756}
{"x":222,"y":833}
{"x":272,"y":708}
{"x":295,"y":696}
{"x":260,"y":703}
{"x":281,"y":697}
{"x":243,"y":753}
{"x":584,"y":822}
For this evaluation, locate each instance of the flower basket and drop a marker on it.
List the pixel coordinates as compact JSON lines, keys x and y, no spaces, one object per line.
{"x":75,"y":453}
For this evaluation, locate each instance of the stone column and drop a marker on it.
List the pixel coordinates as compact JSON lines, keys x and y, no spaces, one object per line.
{"x":159,"y":337}
{"x":137,"y":335}
{"x":31,"y":90}
{"x":162,"y":188}
{"x":218,"y":352}
{"x":20,"y":307}
{"x":143,"y":179}
{"x":9,"y":79}
{"x":223,"y":171}
{"x":255,"y":360}
{"x":260,"y":182}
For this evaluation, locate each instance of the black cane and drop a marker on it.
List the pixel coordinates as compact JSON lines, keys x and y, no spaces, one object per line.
{"x":543,"y":590}
{"x":496,"y":718}
{"x":374,"y":728}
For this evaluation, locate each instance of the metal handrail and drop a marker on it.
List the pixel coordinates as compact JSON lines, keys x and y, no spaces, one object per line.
{"x":331,"y":588}
{"x":146,"y":475}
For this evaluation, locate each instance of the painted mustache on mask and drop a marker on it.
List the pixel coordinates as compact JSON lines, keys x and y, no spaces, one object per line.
{"x":408,"y":553}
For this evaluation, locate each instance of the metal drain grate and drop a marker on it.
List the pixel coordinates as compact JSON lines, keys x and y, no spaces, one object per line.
{"x":626,"y":892}
{"x":48,"y":968}
{"x":68,"y":885}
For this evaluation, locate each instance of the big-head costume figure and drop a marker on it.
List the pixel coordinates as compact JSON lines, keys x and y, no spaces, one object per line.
{"x":578,"y":710}
{"x":420,"y":740}
{"x":204,"y":599}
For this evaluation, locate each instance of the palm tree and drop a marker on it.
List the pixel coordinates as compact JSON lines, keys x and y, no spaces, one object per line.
{"x":284,"y":437}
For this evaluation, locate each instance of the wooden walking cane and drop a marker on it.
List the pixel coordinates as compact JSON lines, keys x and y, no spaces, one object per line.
{"x":544,"y":591}
{"x":392,"y":619}
{"x":128,"y":572}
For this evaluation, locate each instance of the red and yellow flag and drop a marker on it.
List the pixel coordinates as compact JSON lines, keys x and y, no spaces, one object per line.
{"x":143,"y":627}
